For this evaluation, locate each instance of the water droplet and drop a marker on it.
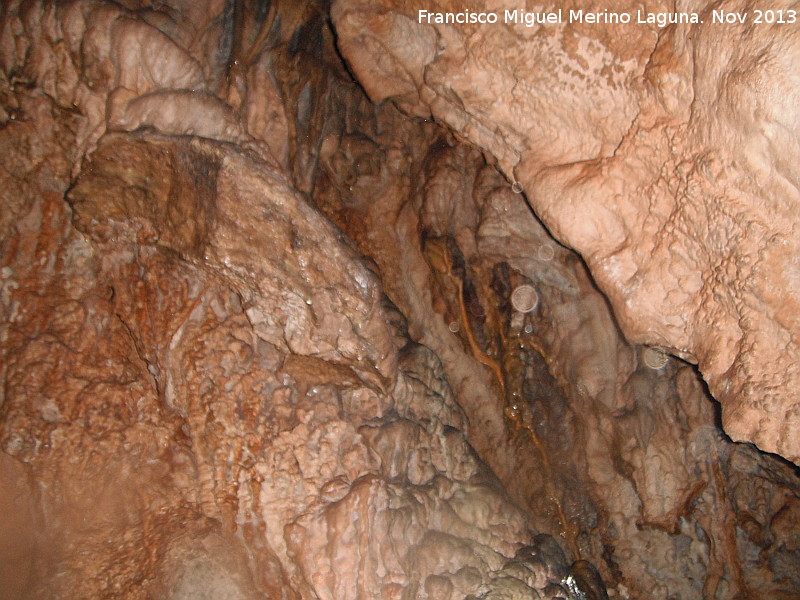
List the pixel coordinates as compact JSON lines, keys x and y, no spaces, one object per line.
{"x":545,"y":253}
{"x":524,"y":298}
{"x":655,"y":358}
{"x":516,"y":187}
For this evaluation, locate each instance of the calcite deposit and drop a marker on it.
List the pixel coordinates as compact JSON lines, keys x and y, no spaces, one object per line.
{"x":661,"y":155}
{"x":270,"y":330}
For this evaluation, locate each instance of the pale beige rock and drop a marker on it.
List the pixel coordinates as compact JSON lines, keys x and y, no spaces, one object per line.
{"x":639,"y":442}
{"x":658,"y":154}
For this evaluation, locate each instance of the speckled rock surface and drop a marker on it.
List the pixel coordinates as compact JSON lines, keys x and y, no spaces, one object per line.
{"x":659,"y":154}
{"x":257,"y":340}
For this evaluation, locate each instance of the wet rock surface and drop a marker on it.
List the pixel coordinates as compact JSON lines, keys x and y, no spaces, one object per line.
{"x":263,"y":338}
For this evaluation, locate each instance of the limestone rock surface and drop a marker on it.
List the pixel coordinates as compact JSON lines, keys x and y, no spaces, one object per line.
{"x":259,"y":335}
{"x":660,"y":154}
{"x":203,"y":391}
{"x":613,"y":449}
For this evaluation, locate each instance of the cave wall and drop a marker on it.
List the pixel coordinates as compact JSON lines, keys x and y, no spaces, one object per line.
{"x":614,"y":452}
{"x":259,"y":336}
{"x":660,"y":154}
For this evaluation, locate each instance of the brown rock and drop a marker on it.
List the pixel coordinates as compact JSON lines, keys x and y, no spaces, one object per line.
{"x":257,"y":335}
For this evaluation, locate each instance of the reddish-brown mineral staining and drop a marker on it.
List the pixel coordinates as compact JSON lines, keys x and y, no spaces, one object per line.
{"x":265,"y":335}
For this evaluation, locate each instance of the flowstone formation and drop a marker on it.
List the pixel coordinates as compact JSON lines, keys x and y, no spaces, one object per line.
{"x":659,"y":154}
{"x":206,"y":390}
{"x":265,"y":338}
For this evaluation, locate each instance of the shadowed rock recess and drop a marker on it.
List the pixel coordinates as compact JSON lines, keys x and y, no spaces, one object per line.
{"x":309,"y":300}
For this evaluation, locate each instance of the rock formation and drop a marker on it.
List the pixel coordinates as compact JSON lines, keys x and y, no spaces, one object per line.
{"x":275,"y":322}
{"x":659,"y":154}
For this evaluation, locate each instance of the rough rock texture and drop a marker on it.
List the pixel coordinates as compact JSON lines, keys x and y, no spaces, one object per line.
{"x":258,"y":341}
{"x":621,"y":461}
{"x":660,"y":154}
{"x":221,"y":401}
{"x":205,"y":393}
